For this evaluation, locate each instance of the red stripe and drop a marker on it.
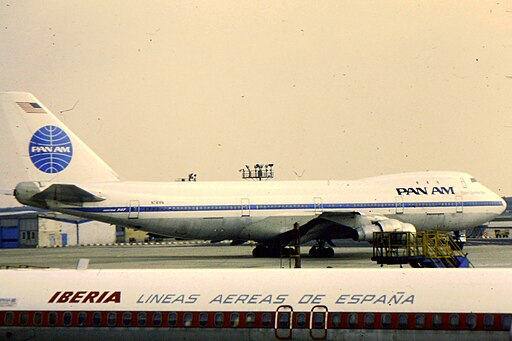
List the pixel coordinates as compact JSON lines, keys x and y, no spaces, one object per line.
{"x":299,"y":320}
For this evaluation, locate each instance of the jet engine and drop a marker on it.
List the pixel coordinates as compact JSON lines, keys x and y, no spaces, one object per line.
{"x":365,"y":232}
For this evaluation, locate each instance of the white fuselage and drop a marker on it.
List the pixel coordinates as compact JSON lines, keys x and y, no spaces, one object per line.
{"x":61,"y":173}
{"x":262,"y":210}
{"x":236,"y":304}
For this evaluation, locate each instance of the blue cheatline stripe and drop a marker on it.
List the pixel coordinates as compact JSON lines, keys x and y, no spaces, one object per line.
{"x":267,"y":207}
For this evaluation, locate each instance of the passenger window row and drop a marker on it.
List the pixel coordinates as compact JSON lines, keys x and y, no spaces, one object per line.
{"x":138,"y":319}
{"x":420,"y":321}
{"x":334,"y":320}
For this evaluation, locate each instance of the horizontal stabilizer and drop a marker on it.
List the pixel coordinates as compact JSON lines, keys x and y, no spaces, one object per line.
{"x":66,"y":194}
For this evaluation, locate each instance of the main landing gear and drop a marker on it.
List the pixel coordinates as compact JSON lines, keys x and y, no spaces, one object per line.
{"x":319,"y":250}
{"x":272,"y":251}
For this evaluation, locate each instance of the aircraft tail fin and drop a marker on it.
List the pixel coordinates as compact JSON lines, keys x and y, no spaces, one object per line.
{"x":36,"y":146}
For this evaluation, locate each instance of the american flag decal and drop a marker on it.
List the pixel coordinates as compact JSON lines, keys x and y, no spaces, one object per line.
{"x":31,"y":107}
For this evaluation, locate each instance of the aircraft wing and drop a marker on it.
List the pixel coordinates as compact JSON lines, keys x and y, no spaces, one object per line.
{"x":327,"y":226}
{"x":65,"y":218}
{"x":30,"y":212}
{"x":340,"y":225}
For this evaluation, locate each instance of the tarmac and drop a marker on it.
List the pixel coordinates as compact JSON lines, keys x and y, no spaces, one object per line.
{"x":483,"y":253}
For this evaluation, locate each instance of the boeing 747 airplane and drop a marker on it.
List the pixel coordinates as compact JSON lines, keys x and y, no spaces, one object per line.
{"x":256,"y":304}
{"x":65,"y":176}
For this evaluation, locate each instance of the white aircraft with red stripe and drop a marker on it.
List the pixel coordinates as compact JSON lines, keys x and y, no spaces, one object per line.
{"x":256,"y":304}
{"x":62,"y":174}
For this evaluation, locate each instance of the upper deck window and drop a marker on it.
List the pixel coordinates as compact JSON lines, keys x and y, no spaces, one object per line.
{"x":463,"y":182}
{"x":474,"y":180}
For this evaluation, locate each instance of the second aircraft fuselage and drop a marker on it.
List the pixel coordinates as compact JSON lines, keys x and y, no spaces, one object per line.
{"x":261,"y":211}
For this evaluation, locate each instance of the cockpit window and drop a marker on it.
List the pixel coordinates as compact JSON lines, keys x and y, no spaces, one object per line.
{"x":474,"y":180}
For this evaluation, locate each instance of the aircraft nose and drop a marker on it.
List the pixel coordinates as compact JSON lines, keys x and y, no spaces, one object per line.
{"x":504,"y":203}
{"x":500,"y":205}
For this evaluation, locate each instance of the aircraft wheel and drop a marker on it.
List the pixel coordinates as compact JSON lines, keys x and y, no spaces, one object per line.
{"x":258,"y":251}
{"x":317,"y":252}
{"x":266,"y":251}
{"x":288,"y":251}
{"x":329,"y":252}
{"x":314,"y":252}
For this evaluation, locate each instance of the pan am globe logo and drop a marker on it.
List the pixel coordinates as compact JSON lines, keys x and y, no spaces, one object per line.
{"x":50,"y":149}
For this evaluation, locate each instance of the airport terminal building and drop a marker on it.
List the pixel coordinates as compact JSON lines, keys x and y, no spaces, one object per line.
{"x":20,"y":229}
{"x":501,"y":226}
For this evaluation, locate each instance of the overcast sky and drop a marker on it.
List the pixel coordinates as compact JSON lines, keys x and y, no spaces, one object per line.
{"x":339,"y":90}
